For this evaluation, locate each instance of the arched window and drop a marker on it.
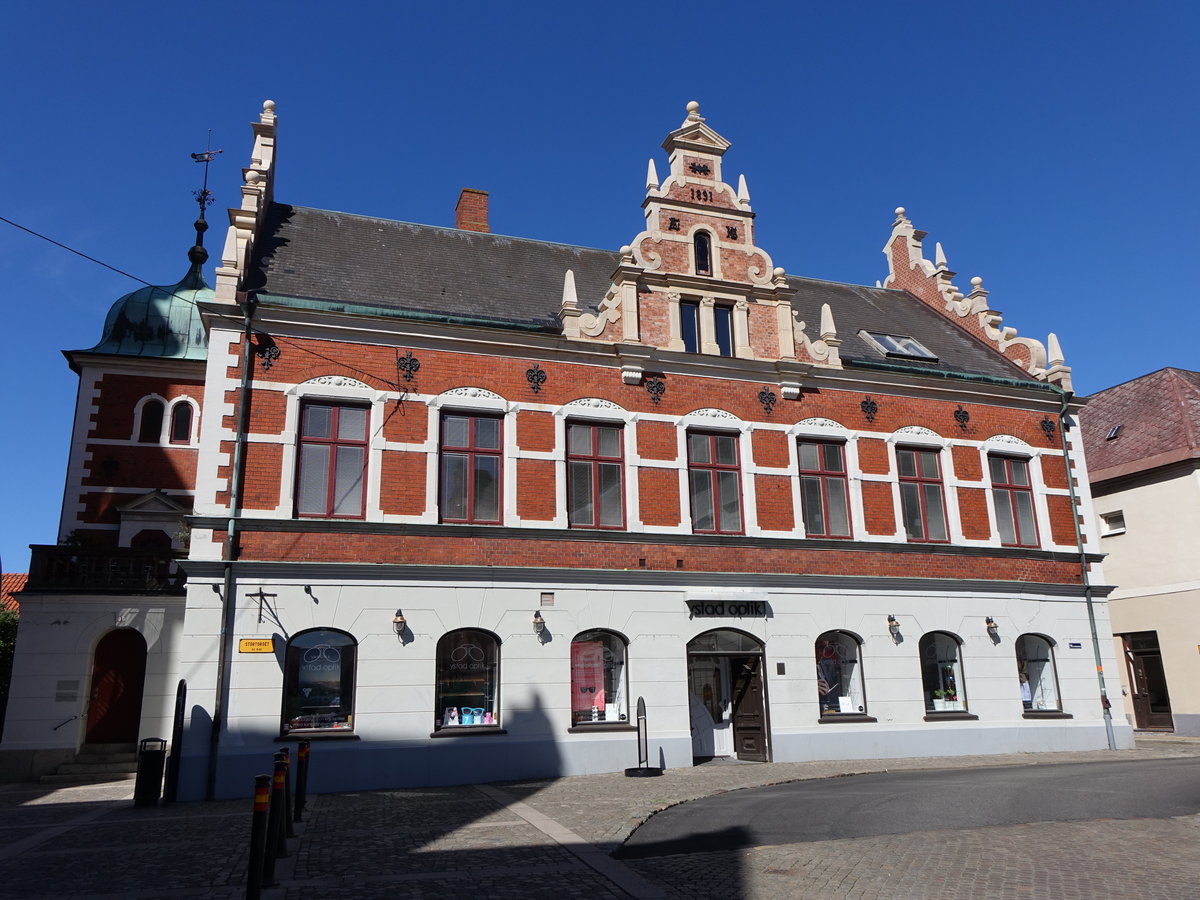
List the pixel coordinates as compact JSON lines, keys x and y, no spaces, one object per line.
{"x":1036,"y":674}
{"x":150,"y":427}
{"x":181,"y":423}
{"x":599,"y":690}
{"x":703,"y":247}
{"x":941,"y":673}
{"x":468,"y":680}
{"x":839,"y":675}
{"x":318,"y":681}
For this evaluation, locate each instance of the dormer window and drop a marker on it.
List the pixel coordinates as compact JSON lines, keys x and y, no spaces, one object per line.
{"x":898,"y":346}
{"x":703,"y":248}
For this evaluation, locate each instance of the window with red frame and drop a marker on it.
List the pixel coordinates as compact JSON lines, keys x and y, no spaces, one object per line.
{"x":331,"y":472}
{"x":595,"y":498}
{"x":150,"y":426}
{"x":1013,"y":496}
{"x":921,"y":497}
{"x":715,"y":483}
{"x":181,"y":423}
{"x":823,"y":495}
{"x":470,"y":469}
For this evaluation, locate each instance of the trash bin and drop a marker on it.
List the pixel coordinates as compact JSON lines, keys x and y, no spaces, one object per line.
{"x":152,"y":755}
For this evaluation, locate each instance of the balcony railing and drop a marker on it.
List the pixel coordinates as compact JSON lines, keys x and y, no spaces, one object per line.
{"x":87,"y":569}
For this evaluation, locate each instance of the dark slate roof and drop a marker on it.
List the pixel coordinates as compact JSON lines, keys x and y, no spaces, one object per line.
{"x":341,"y":260}
{"x":1159,"y":420}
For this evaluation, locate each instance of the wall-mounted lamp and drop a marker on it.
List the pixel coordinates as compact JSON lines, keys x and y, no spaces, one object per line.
{"x":539,"y":626}
{"x":993,"y":629}
{"x":894,"y":628}
{"x":398,"y":623}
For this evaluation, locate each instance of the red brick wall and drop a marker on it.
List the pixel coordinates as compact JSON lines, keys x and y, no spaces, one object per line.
{"x":535,"y":489}
{"x":879,"y":511}
{"x":774,"y":502}
{"x":402,"y":489}
{"x":656,"y":440}
{"x":535,"y":431}
{"x":770,"y":448}
{"x":972,"y":507}
{"x":966,"y":464}
{"x":873,"y":456}
{"x":658,"y":490}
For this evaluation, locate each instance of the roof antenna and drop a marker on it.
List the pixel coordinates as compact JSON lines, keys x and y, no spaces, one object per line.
{"x":204,"y":198}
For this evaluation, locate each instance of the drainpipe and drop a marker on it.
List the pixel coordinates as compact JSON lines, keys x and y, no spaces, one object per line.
{"x":230,"y":551}
{"x":1063,"y":420}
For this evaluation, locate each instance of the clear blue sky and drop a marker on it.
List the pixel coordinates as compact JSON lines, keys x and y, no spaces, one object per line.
{"x":1050,"y":147}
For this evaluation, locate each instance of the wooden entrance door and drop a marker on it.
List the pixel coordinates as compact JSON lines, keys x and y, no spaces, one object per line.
{"x":1147,"y":681}
{"x":118,"y":676}
{"x":749,"y":708}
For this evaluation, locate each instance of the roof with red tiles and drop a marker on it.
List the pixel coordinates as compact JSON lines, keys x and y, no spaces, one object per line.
{"x":1143,"y":424}
{"x":10,"y":584}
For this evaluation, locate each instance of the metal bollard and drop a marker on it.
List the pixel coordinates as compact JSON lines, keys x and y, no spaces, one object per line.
{"x":301,"y":779}
{"x":274,"y":833}
{"x":258,"y":836}
{"x":287,"y":793}
{"x":281,"y":851}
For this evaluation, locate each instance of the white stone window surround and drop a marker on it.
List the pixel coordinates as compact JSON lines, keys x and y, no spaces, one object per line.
{"x":713,"y":420}
{"x":474,"y":400}
{"x":333,"y":389}
{"x":596,"y":411}
{"x":1015,"y":448}
{"x":706,"y":338}
{"x":713,"y":250}
{"x":921,"y":438}
{"x":822,"y":429}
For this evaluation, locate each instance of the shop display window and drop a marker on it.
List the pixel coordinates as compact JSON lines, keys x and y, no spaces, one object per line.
{"x":1036,"y":674}
{"x":598,"y":679}
{"x":839,"y":675}
{"x":318,"y":681}
{"x":468,"y":680}
{"x":941,"y":673}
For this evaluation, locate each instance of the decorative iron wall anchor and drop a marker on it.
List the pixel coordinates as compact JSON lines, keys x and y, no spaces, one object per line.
{"x":962,"y":417}
{"x":1048,"y":427}
{"x":869,"y":408}
{"x":407,"y":365}
{"x":656,"y":388}
{"x":266,"y":350}
{"x":672,"y":224}
{"x":767,"y":398}
{"x":536,"y":377}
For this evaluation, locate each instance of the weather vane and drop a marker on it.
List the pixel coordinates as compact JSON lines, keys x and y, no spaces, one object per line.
{"x":203,"y":196}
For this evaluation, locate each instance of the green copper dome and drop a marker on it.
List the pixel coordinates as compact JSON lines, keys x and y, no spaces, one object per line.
{"x":159,"y":322}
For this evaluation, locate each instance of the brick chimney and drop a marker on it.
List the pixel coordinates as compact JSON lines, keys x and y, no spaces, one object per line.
{"x":471,"y":212}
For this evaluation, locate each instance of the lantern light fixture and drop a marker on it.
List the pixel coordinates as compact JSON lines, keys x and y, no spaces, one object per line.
{"x":539,"y":626}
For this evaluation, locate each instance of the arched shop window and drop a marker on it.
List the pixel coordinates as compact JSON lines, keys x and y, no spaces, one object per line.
{"x":1036,"y":674}
{"x":599,"y":692}
{"x":941,"y":673}
{"x":468,"y":680}
{"x":318,"y":681}
{"x":839,"y":675}
{"x":150,"y":426}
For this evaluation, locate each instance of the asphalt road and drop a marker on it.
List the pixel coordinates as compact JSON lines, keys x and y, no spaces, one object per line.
{"x":905,"y":802}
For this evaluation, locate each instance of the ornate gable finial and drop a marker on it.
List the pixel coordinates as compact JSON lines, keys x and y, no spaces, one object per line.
{"x":244,"y":221}
{"x":651,"y":177}
{"x":743,"y":192}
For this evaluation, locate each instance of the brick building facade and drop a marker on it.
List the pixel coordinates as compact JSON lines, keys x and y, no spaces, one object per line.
{"x":475,"y":495}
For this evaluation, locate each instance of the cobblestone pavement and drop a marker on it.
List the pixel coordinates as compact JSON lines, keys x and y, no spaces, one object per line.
{"x":551,"y":839}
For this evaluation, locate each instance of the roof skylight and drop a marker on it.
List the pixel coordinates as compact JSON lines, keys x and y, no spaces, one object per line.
{"x":898,"y":345}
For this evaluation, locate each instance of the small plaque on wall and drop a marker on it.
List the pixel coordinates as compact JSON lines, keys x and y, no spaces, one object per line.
{"x":256,"y":645}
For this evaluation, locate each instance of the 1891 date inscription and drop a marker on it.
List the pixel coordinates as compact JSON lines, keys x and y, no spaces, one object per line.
{"x":702,"y":195}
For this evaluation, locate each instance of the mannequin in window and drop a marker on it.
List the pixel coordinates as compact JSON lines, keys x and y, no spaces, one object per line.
{"x":829,"y":669}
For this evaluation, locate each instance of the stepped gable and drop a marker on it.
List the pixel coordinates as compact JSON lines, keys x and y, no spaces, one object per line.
{"x":333,"y":258}
{"x":1158,"y":417}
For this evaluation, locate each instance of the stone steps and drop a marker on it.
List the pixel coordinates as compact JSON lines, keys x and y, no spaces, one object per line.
{"x":96,"y":764}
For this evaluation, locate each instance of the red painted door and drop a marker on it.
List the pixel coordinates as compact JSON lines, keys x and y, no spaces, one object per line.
{"x":118,"y":675}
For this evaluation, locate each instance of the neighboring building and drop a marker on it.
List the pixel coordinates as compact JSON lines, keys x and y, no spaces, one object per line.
{"x":1143,"y":449}
{"x":472,"y":496}
{"x":11,"y":584}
